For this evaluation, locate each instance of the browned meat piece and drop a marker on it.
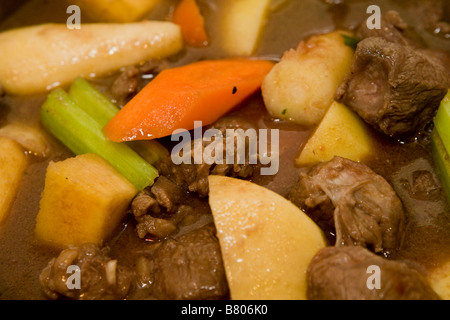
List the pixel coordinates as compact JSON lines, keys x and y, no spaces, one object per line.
{"x":190,"y":267}
{"x":423,"y":186}
{"x":393,"y":29}
{"x":395,"y":88}
{"x":101,"y":278}
{"x":126,"y":84}
{"x":143,"y":202}
{"x":166,"y":193}
{"x":434,"y":15}
{"x":157,"y":209}
{"x":359,"y":204}
{"x":156,"y":227}
{"x":194,"y":177}
{"x":343,"y":273}
{"x":133,"y":78}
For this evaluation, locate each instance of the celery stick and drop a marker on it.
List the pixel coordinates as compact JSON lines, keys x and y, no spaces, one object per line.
{"x":442,"y":161}
{"x":151,"y":150}
{"x":101,"y":109}
{"x":92,"y":101}
{"x":442,"y":121}
{"x":82,"y":134}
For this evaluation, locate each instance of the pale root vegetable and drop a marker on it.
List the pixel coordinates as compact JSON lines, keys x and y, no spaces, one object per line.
{"x":37,"y":58}
{"x":116,"y":10}
{"x":341,"y":133}
{"x":32,"y":139}
{"x":13,"y":163}
{"x":439,"y":279}
{"x":301,"y":87}
{"x":242,"y":26}
{"x":84,"y":200}
{"x":266,"y":241}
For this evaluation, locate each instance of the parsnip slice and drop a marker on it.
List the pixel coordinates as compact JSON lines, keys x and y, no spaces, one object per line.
{"x":38,"y":58}
{"x":301,"y":87}
{"x":266,"y":241}
{"x":243,"y":23}
{"x":13,"y":163}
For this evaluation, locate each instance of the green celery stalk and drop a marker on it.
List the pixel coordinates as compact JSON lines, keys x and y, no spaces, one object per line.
{"x":442,"y":161}
{"x":442,"y":121}
{"x":92,"y":101}
{"x":82,"y":134}
{"x":101,"y":109}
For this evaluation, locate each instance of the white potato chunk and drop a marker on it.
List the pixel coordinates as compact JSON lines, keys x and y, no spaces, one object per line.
{"x":301,"y":87}
{"x":266,"y":241}
{"x":37,"y":58}
{"x":243,"y":23}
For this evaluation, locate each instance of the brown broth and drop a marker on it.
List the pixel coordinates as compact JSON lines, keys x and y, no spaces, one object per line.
{"x":427,"y":241}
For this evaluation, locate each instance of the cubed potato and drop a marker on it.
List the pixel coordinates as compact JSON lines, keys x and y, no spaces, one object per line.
{"x":38,"y":58}
{"x":301,"y":87}
{"x":266,"y":241}
{"x":439,"y":279}
{"x":13,"y":163}
{"x":115,"y":10}
{"x":243,"y":24}
{"x":84,"y":200}
{"x":341,"y":133}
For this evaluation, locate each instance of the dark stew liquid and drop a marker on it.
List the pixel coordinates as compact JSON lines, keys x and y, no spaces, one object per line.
{"x":427,"y":238}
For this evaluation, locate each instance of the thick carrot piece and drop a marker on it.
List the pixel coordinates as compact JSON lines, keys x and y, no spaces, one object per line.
{"x":176,"y":98}
{"x":188,"y":16}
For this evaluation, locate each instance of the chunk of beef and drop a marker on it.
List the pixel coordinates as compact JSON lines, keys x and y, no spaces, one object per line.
{"x":133,"y":78}
{"x":359,"y":204}
{"x":393,"y":29}
{"x":166,"y":193}
{"x":342,"y":273}
{"x":126,"y":84}
{"x":158,"y":209}
{"x":423,"y":186}
{"x":155,"y":227}
{"x":194,"y":177}
{"x":102,"y":278}
{"x":395,"y":88}
{"x":434,"y":15}
{"x":190,"y":267}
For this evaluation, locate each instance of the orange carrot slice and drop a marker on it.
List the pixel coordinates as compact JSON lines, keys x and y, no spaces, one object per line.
{"x":187,"y":15}
{"x":201,"y":91}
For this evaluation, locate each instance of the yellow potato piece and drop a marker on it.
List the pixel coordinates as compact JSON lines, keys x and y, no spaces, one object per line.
{"x":38,"y":58}
{"x":13,"y":163}
{"x":243,"y":23}
{"x":266,"y":241}
{"x":301,"y":87}
{"x":439,"y":280}
{"x":341,"y":133}
{"x":115,"y":10}
{"x":84,"y":200}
